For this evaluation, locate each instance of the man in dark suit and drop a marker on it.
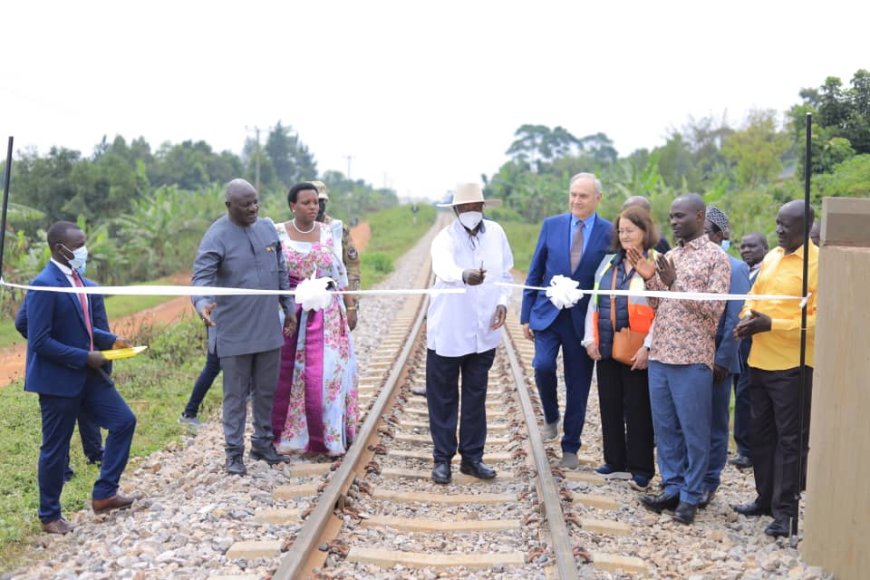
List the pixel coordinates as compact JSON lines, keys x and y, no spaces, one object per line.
{"x":573,"y":245}
{"x":89,"y":431}
{"x":64,"y":366}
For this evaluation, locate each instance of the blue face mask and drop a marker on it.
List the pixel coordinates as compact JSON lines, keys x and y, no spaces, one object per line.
{"x":79,"y":261}
{"x":726,"y":244}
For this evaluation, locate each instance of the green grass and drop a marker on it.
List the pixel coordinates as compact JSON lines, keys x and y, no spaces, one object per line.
{"x":156,"y":385}
{"x":393,"y":233}
{"x":116,"y":307}
{"x":522,"y":238}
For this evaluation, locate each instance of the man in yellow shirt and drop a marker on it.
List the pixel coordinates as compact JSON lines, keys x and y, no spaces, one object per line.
{"x":778,"y":436}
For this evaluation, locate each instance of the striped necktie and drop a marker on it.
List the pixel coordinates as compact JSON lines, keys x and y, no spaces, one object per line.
{"x":577,"y":246}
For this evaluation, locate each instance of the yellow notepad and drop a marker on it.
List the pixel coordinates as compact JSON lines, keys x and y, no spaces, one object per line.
{"x":120,"y":353}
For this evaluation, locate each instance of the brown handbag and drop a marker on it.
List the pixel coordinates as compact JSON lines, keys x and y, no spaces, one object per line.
{"x":626,"y":342}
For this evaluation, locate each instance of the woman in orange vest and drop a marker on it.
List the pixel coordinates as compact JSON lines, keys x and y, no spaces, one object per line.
{"x":623,"y":388}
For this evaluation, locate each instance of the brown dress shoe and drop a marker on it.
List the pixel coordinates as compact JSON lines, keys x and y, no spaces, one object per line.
{"x":58,"y":526}
{"x":116,"y":502}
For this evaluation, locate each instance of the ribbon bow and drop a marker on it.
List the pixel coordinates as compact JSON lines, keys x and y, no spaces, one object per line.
{"x":313,"y":293}
{"x":564,"y":292}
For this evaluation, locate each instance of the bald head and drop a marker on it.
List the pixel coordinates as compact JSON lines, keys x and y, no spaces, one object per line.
{"x":636,"y":201}
{"x":242,"y":201}
{"x":687,"y":217}
{"x":791,"y":224}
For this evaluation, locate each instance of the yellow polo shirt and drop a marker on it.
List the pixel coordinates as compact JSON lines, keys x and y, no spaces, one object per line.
{"x":781,"y":273}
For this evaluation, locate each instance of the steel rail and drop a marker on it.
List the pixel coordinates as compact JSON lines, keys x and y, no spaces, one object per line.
{"x":562,"y":546}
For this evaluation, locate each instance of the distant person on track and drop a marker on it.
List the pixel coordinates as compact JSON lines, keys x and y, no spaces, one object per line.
{"x":623,"y":388}
{"x":316,"y":407}
{"x":727,"y":362}
{"x":241,"y":250}
{"x":203,"y":383}
{"x":571,"y":245}
{"x":348,"y":252}
{"x":65,"y":367}
{"x":753,"y":247}
{"x":662,"y":246}
{"x":463,"y":331}
{"x":778,"y":436}
{"x":682,"y":356}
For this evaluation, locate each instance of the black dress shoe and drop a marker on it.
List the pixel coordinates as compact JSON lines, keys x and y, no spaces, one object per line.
{"x":269,"y":455}
{"x":659,"y":503}
{"x":477,"y":469}
{"x":236,"y":466}
{"x":741,"y":462}
{"x":685,"y":513}
{"x":752,"y":509}
{"x":706,"y":497}
{"x":441,"y":473}
{"x":777,"y":529}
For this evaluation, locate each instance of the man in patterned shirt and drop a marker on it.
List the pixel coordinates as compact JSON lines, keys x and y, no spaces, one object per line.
{"x":682,"y":354}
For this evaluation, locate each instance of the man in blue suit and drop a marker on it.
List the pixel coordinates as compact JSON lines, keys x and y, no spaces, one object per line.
{"x":65,"y":367}
{"x":573,"y":245}
{"x":89,"y":431}
{"x":727,"y":362}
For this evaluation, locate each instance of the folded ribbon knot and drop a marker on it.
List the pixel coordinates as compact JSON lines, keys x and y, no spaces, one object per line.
{"x":313,"y":293}
{"x":564,"y":292}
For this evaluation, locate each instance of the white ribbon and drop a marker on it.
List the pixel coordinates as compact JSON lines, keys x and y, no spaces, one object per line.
{"x":163,"y":290}
{"x":697,"y":296}
{"x":564,"y":292}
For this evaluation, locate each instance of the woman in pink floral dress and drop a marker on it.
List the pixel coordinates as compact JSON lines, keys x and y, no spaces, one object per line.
{"x":315,"y":408}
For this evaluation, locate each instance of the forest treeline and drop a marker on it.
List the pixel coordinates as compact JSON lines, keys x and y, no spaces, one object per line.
{"x":144,"y":210}
{"x":747,"y":170}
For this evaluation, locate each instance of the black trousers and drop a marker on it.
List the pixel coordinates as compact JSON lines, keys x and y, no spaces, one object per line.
{"x":443,"y":396}
{"x":776,"y":438}
{"x":626,"y":418}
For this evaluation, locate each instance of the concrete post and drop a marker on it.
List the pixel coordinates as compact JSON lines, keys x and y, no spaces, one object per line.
{"x":837,"y":517}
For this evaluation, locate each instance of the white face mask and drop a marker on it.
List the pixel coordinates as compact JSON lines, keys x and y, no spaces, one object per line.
{"x":79,"y":261}
{"x":726,"y":244}
{"x":470,"y":219}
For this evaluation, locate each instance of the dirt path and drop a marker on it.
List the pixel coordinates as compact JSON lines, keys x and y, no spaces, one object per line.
{"x":360,"y":234}
{"x":12,"y":358}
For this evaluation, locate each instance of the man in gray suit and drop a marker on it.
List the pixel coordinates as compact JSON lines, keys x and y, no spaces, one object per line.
{"x":241,"y":250}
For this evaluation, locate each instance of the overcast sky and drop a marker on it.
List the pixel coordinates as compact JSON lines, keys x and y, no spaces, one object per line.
{"x":420,"y":94}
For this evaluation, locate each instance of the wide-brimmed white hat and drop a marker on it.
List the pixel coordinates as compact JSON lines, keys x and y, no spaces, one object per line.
{"x":470,"y":193}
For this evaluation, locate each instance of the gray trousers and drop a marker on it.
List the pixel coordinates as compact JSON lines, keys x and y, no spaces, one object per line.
{"x":257,"y":372}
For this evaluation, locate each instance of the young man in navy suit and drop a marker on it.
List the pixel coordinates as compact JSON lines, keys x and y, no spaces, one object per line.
{"x":571,"y":245}
{"x":65,"y":367}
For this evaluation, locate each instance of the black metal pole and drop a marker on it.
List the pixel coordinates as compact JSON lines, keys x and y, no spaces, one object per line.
{"x":803,"y":356}
{"x":5,"y":202}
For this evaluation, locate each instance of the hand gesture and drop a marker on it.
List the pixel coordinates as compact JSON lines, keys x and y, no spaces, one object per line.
{"x":592,"y":351}
{"x":290,"y":323}
{"x":351,"y":319}
{"x":96,"y":359}
{"x":205,"y":313}
{"x":646,"y":267}
{"x":753,"y":324}
{"x":121,"y":342}
{"x":640,"y":360}
{"x":473,"y":276}
{"x":528,"y":332}
{"x":499,"y":317}
{"x":666,"y":270}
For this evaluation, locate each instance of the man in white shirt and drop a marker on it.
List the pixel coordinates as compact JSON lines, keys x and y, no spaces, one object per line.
{"x":463,"y":331}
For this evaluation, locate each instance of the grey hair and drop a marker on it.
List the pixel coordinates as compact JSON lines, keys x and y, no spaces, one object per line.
{"x":237,"y":186}
{"x":591,"y":176}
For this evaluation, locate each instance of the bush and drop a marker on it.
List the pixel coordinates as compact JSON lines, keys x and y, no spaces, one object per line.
{"x":378,"y":262}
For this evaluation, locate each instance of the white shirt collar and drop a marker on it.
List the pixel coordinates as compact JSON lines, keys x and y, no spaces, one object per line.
{"x":63,"y":268}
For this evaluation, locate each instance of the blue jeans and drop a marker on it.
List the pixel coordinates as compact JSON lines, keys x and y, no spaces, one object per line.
{"x":681,"y":401}
{"x":718,"y":433}
{"x":206,"y":378}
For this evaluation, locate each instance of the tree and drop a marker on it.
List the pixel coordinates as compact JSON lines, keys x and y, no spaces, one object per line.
{"x":290,"y":158}
{"x":756,"y":150}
